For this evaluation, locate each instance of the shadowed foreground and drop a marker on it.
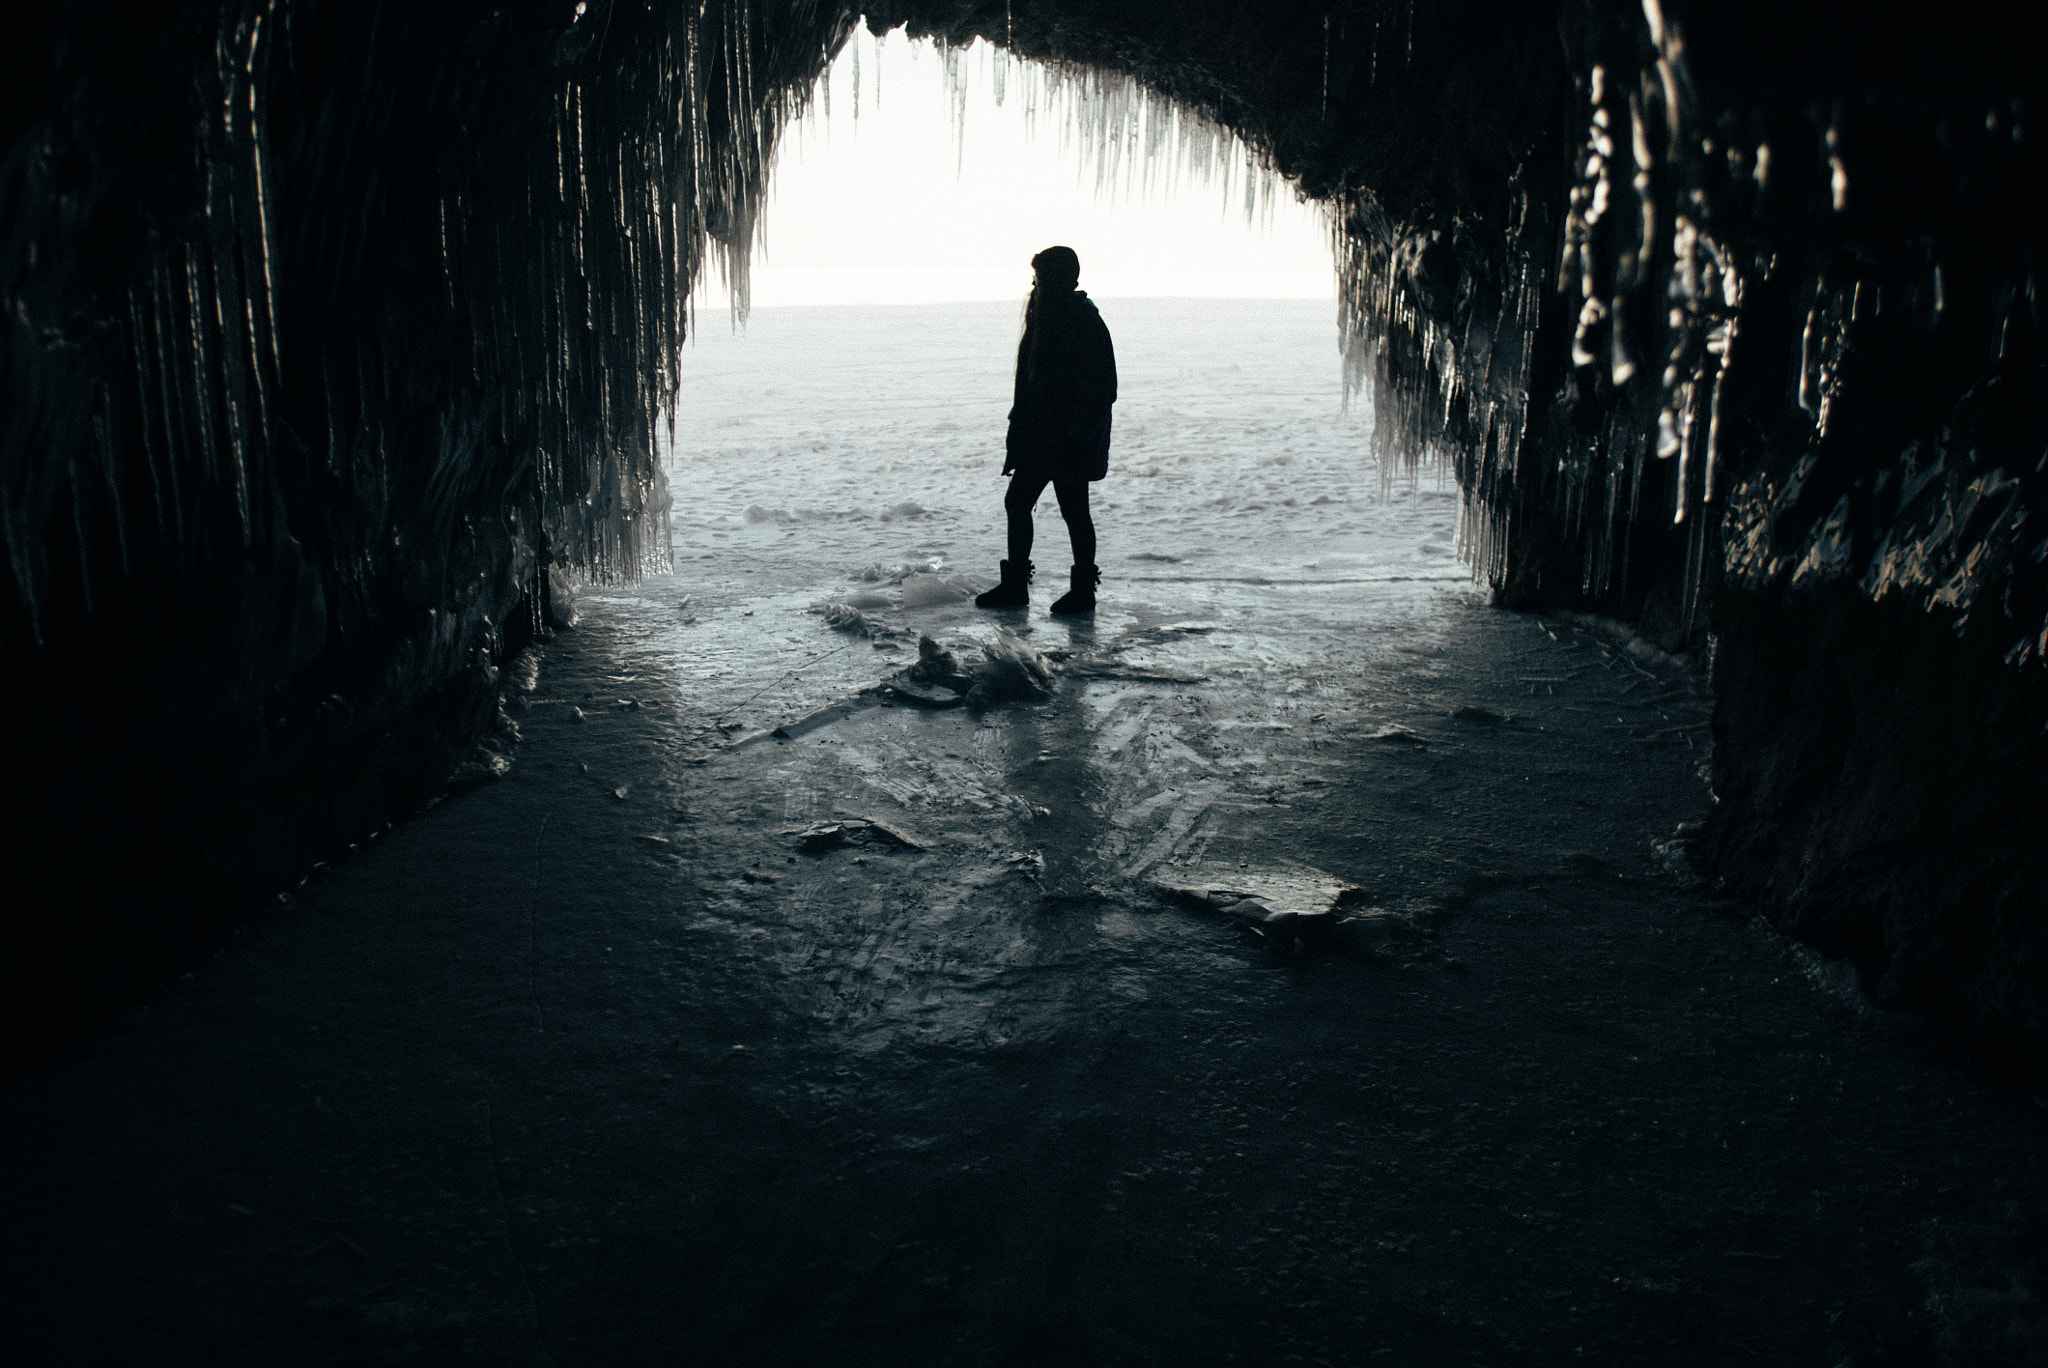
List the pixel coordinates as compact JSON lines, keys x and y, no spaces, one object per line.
{"x":595,"y":1066}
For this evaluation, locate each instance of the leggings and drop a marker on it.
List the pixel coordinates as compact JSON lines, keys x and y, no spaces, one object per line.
{"x":1073,"y":496}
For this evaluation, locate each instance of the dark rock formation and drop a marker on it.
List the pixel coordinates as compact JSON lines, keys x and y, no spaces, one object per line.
{"x":331,"y":327}
{"x":328,"y":329}
{"x":1881,"y":793}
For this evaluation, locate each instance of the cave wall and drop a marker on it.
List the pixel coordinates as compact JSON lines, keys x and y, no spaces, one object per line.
{"x":332,"y":326}
{"x":1869,"y":415}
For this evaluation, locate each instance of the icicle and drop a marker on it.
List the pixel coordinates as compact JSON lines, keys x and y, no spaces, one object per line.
{"x":1685,"y":430}
{"x":1809,"y":387}
{"x":1326,"y":65}
{"x":1714,"y":431}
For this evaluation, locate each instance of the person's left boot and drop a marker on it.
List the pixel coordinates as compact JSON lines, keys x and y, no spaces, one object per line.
{"x":1013,"y":592}
{"x":1080,"y":598}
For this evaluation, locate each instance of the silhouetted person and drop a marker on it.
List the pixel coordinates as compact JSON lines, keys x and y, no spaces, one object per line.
{"x":1059,"y":426}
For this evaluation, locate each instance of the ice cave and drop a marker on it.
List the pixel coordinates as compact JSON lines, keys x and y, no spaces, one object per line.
{"x":526,"y":851}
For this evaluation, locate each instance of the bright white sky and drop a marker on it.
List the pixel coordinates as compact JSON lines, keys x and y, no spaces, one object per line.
{"x":885,"y":209}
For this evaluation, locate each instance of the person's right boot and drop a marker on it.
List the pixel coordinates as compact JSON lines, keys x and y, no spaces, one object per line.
{"x":1080,"y":598}
{"x":1013,"y":592}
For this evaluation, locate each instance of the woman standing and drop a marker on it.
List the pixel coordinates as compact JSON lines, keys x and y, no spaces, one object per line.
{"x":1059,"y":427}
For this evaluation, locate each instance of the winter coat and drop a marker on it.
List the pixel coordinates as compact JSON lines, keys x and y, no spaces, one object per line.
{"x":1059,"y":422}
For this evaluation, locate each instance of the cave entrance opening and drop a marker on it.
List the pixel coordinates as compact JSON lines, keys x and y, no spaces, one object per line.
{"x":844,"y":434}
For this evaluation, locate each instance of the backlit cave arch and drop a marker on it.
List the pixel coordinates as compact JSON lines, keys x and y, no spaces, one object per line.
{"x":330,"y":326}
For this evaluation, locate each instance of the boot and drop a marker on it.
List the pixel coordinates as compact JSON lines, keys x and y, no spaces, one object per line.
{"x":1080,"y":598}
{"x":1013,"y":592}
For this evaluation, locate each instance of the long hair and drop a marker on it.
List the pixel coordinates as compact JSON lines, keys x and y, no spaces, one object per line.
{"x":1058,"y":271}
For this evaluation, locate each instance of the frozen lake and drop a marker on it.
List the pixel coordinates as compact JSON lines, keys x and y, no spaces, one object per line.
{"x":822,"y":445}
{"x":834,"y":437}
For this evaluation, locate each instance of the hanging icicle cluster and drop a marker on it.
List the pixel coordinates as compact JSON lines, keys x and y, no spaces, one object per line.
{"x":1605,"y":352}
{"x":1441,"y":322}
{"x":1650,"y":273}
{"x":1135,"y":140}
{"x":1444,"y":352}
{"x":425,"y":282}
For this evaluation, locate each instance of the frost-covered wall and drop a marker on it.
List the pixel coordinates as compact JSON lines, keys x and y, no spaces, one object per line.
{"x":331,"y":325}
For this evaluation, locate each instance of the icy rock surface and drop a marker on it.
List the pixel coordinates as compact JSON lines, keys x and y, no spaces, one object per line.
{"x":937,"y":665}
{"x":1285,"y":906}
{"x":853,"y":831}
{"x":845,"y":617}
{"x":562,"y":587}
{"x":923,"y":591}
{"x":935,"y":681}
{"x":1010,"y":669}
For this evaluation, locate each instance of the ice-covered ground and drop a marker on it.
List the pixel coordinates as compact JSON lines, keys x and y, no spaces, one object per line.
{"x":629,"y":1050}
{"x":822,"y":443}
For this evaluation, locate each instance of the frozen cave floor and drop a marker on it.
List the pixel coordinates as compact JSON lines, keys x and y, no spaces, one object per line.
{"x":598,"y":1064}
